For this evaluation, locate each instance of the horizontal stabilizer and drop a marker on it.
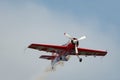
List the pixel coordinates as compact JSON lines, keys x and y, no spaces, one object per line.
{"x":47,"y":57}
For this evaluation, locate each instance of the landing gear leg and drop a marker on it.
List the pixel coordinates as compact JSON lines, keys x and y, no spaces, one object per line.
{"x":80,"y":59}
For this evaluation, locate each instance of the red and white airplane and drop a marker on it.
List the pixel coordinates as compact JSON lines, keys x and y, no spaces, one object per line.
{"x":62,"y":52}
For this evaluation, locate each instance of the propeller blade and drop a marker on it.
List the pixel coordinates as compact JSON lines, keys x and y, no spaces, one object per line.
{"x":69,"y":36}
{"x":81,"y":38}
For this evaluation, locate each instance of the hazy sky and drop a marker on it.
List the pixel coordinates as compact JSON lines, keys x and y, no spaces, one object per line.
{"x":23,"y":22}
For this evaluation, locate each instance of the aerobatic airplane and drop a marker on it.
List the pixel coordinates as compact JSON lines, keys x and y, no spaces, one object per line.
{"x":62,"y":52}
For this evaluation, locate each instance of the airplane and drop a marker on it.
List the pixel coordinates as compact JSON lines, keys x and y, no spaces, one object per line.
{"x":63,"y":52}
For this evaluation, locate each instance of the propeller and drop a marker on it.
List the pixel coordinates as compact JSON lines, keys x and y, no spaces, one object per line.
{"x":81,"y":38}
{"x":75,"y":41}
{"x":69,"y":36}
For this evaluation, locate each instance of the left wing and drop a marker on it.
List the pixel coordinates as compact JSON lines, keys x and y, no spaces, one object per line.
{"x":91,"y":52}
{"x":47,"y":47}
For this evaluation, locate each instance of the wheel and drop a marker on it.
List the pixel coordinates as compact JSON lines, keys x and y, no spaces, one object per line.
{"x":60,"y":58}
{"x":80,"y":59}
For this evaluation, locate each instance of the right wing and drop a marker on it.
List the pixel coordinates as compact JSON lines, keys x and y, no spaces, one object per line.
{"x":91,"y":52}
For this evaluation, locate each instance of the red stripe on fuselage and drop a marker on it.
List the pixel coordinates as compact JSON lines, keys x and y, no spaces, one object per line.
{"x":69,"y":47}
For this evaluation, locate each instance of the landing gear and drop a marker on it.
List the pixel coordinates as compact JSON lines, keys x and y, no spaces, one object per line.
{"x":80,"y":60}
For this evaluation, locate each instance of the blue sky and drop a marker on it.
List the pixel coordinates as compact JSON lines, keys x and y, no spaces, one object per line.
{"x":45,"y":21}
{"x":106,"y":10}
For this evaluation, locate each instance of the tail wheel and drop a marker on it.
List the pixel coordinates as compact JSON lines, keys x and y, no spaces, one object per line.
{"x":80,"y":60}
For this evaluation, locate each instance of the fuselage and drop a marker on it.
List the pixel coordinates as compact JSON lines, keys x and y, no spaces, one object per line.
{"x":64,"y":55}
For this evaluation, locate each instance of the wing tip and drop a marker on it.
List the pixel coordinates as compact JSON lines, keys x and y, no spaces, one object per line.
{"x":106,"y":52}
{"x":31,"y":46}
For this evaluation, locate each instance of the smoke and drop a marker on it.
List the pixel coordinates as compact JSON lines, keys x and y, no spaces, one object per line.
{"x":43,"y":76}
{"x":48,"y":70}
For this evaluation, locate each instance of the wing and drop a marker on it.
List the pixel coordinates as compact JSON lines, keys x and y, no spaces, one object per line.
{"x":47,"y":48}
{"x":91,"y":52}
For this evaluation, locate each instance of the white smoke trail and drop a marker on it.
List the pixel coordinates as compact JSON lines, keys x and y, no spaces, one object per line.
{"x":45,"y":73}
{"x":43,"y":76}
{"x":48,"y":70}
